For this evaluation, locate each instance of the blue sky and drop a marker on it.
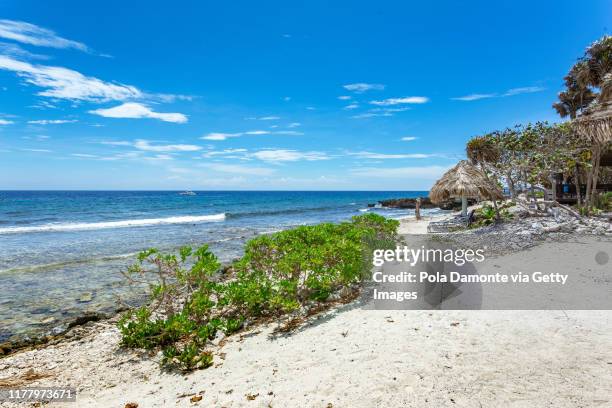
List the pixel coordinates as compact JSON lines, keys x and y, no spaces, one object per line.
{"x":317,"y":95}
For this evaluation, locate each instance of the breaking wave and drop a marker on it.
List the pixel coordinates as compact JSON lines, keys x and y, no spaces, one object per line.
{"x":80,"y":226}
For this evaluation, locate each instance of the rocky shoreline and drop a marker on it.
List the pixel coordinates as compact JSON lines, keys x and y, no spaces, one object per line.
{"x":525,"y":231}
{"x":410,"y":203}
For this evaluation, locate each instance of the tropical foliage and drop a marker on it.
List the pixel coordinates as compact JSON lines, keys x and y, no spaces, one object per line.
{"x":191,"y":301}
{"x":526,"y":156}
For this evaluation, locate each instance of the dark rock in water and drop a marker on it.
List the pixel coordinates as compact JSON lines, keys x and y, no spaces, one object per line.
{"x":410,"y":203}
{"x":86,"y":318}
{"x":407,"y":203}
{"x":371,"y":205}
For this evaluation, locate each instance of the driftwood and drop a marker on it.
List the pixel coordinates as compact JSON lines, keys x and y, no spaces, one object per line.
{"x":547,"y":204}
{"x":569,"y":210}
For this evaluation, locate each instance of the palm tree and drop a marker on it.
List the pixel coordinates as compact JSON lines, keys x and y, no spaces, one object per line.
{"x":591,"y":72}
{"x":598,"y":59}
{"x":573,"y":100}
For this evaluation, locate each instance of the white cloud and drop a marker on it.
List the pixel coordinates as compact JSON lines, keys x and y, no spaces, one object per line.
{"x":145,"y":145}
{"x":383,"y":156}
{"x":509,"y":92}
{"x":294,"y":125}
{"x":371,"y":115}
{"x":270,"y":117}
{"x":391,"y":110}
{"x":408,"y":138}
{"x":84,"y":155}
{"x":158,"y":157}
{"x":135,"y":110}
{"x":474,"y":97}
{"x":426,"y":172}
{"x":344,"y":97}
{"x":523,"y":90}
{"x":64,"y":83}
{"x":6,"y":122}
{"x":257,"y":132}
{"x":220,"y":136}
{"x":37,"y":150}
{"x":15,"y":50}
{"x":116,"y":143}
{"x":34,"y":35}
{"x":284,"y":155}
{"x":51,"y":122}
{"x":351,"y":106}
{"x":239,"y":169}
{"x":363,"y":87}
{"x":228,"y":153}
{"x":401,"y":101}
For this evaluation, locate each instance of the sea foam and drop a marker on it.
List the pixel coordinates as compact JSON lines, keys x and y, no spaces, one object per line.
{"x":187,"y":219}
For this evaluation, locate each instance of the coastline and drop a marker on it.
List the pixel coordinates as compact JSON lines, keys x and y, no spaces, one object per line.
{"x":425,"y":348}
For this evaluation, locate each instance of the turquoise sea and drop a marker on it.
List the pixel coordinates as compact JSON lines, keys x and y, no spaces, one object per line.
{"x":62,"y":252}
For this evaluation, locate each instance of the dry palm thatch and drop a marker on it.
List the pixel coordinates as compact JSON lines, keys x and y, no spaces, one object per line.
{"x":595,"y":124}
{"x":463,"y":180}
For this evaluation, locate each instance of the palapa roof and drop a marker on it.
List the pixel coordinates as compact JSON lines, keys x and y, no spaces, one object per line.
{"x":463,"y":180}
{"x":595,"y":124}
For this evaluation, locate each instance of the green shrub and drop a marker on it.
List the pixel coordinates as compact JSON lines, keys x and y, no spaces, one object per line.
{"x":278,"y":274}
{"x":485,"y":215}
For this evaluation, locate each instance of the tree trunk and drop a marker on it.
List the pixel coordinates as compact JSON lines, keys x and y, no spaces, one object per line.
{"x":511,"y":186}
{"x":553,"y":182}
{"x":596,"y":161}
{"x":587,"y":195}
{"x":464,"y":205}
{"x":417,"y":209}
{"x":577,"y":183}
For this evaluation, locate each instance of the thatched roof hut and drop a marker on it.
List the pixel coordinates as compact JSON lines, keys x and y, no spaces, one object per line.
{"x":465,"y":181}
{"x":595,"y":124}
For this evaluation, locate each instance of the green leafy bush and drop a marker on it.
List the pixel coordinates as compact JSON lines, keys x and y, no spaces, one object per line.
{"x":278,"y":274}
{"x":485,"y":215}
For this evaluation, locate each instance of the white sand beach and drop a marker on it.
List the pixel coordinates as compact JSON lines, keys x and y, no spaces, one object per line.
{"x":356,"y":358}
{"x":352,"y":357}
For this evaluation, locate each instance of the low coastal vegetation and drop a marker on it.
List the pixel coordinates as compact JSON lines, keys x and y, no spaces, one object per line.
{"x":192,"y":301}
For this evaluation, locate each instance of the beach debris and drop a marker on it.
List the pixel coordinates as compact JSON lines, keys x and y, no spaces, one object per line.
{"x":195,"y":398}
{"x":344,"y":333}
{"x":454,"y":324}
{"x":251,"y":397}
{"x":131,"y":405}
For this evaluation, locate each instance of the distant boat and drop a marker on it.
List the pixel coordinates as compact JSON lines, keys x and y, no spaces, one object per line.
{"x":187,"y":193}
